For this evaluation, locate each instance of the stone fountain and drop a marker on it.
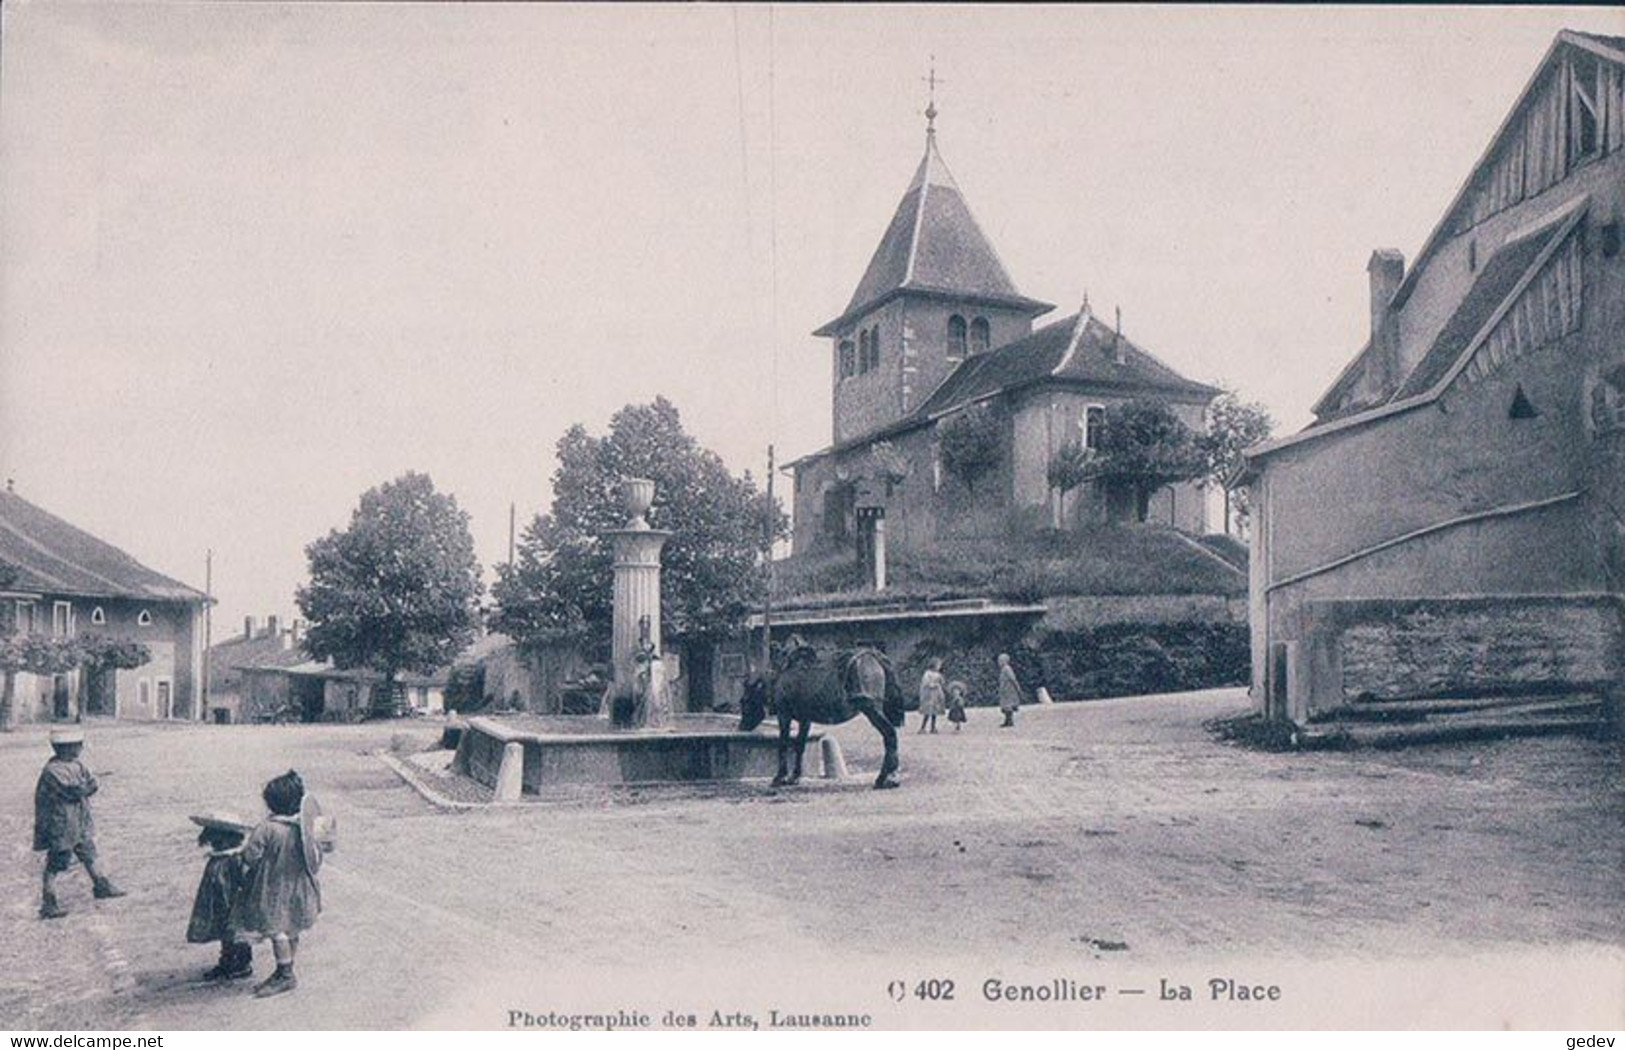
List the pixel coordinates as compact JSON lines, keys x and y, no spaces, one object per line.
{"x":636,"y":737}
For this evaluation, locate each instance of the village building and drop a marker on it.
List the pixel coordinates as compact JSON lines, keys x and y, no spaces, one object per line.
{"x":935,"y":327}
{"x":1452,"y":524}
{"x":316,"y":691}
{"x":56,"y":579}
{"x":272,"y":643}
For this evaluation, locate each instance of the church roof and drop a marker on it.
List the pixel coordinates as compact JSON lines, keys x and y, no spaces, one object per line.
{"x":39,"y":552}
{"x":1078,"y":349}
{"x":933,"y":246}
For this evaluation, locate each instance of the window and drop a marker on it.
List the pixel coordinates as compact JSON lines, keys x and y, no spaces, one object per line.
{"x":1584,"y":129}
{"x":61,"y":619}
{"x":97,"y":616}
{"x":980,"y":335}
{"x":23,"y":617}
{"x":863,"y":352}
{"x":873,"y":358}
{"x":144,"y":618}
{"x":1094,"y":421}
{"x":956,"y":336}
{"x":847,"y":363}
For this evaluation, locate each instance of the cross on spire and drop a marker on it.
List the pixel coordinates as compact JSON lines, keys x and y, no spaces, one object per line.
{"x":931,"y":83}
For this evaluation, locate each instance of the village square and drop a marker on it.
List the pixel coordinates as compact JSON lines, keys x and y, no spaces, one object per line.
{"x":1056,"y":683}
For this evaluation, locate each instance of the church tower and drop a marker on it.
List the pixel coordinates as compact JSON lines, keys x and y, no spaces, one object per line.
{"x":934,"y":294}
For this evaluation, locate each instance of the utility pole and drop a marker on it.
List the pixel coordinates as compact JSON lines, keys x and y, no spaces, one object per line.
{"x":767,"y":553}
{"x":512,"y":518}
{"x":208,"y":631}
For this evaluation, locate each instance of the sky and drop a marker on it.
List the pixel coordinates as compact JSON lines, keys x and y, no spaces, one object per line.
{"x":255,"y":259}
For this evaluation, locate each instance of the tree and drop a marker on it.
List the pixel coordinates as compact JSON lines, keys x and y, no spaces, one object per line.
{"x":1234,"y":425}
{"x":101,"y":653}
{"x":398,"y":590}
{"x":971,"y":444}
{"x":1144,"y":446}
{"x":1071,"y":466}
{"x":32,"y":654}
{"x":559,"y":587}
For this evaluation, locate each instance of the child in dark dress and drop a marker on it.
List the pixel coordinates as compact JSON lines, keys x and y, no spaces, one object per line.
{"x":222,"y":881}
{"x":957,"y":693}
{"x":280,"y":898}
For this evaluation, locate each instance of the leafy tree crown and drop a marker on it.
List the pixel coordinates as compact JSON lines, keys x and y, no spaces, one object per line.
{"x":398,"y":589}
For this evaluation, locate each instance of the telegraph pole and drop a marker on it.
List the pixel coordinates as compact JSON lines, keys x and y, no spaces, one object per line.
{"x":512,"y":517}
{"x":208,"y":631}
{"x":767,"y":554}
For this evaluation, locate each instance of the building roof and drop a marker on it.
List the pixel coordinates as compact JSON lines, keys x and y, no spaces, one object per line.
{"x":889,"y":611}
{"x":1080,"y":350}
{"x":1499,"y":283}
{"x":1610,"y":48}
{"x":1496,"y":282}
{"x":53,"y":557}
{"x":933,"y":246}
{"x":305,"y":667}
{"x":259,"y":651}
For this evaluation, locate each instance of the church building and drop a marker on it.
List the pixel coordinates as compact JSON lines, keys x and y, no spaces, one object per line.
{"x":936,"y":327}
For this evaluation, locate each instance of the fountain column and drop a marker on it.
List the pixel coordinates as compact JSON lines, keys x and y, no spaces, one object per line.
{"x":635,"y":631}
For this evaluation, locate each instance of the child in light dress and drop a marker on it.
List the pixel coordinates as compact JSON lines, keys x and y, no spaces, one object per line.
{"x":931,"y":695}
{"x":280,"y":898}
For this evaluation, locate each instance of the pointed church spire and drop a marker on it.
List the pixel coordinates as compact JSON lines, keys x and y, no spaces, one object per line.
{"x":933,"y":245}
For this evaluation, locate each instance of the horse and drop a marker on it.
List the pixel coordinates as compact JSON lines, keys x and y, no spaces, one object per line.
{"x":808,"y":692}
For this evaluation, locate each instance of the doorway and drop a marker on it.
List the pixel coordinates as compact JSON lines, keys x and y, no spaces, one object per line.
{"x":701,"y":675}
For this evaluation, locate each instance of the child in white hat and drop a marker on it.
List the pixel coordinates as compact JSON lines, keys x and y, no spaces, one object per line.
{"x":63,"y":829}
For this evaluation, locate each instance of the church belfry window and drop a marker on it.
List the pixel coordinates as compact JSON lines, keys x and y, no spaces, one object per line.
{"x":980,"y":335}
{"x":848,"y":363}
{"x":869,"y":349}
{"x":956,"y":336}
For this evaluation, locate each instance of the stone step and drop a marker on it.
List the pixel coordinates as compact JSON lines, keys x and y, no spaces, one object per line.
{"x":1461,"y":728}
{"x":1420,"y":710}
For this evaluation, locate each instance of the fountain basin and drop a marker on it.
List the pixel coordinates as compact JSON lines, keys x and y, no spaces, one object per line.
{"x":528,"y":753}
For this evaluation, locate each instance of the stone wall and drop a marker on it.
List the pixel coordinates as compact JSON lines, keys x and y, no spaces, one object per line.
{"x":1485,"y":646}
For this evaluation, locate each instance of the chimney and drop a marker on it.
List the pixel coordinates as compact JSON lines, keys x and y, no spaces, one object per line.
{"x":248,"y":628}
{"x":273,"y":626}
{"x":1387,"y":270}
{"x":298,"y":631}
{"x":1118,"y":354}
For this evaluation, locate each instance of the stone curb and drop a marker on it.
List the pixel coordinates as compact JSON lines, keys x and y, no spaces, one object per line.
{"x":429,"y":794}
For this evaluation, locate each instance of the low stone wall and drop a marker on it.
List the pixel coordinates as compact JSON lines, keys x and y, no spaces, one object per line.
{"x":1441,"y":647}
{"x":1078,"y":648}
{"x":709,"y":751}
